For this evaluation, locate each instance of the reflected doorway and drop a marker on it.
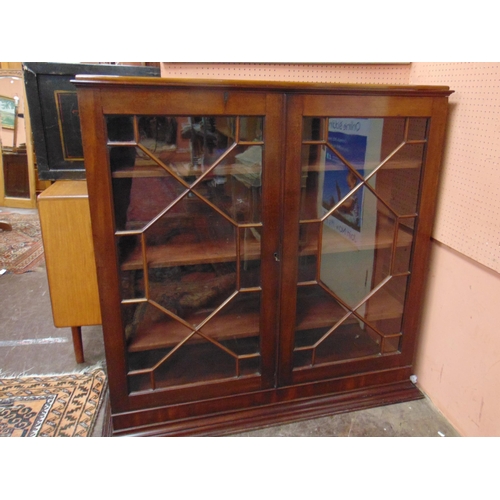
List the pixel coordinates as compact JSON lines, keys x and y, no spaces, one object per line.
{"x":17,"y":171}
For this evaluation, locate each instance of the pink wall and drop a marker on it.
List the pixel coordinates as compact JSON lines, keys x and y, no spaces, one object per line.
{"x":469,"y":201}
{"x":342,"y":73}
{"x":458,"y":362}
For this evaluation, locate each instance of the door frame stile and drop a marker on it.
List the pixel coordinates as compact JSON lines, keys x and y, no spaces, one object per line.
{"x":290,"y":231}
{"x":272,"y":213}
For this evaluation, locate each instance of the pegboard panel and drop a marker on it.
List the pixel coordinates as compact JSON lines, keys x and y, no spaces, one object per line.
{"x":394,"y":74}
{"x":468,"y":216}
{"x":468,"y":213}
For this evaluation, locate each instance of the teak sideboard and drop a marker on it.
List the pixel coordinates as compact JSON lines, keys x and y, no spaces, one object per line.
{"x":261,"y":247}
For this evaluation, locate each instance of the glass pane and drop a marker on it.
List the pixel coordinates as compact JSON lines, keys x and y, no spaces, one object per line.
{"x":206,"y":138}
{"x":353,"y":339}
{"x":250,"y":238}
{"x":189,"y":146}
{"x":15,"y":174}
{"x":404,"y":244}
{"x":190,"y":273}
{"x":138,"y":200}
{"x":121,"y":158}
{"x":326,"y":182}
{"x":384,"y":309}
{"x":313,"y":168}
{"x":132,"y":284}
{"x":158,"y":134}
{"x":359,"y":196}
{"x":309,"y":235}
{"x":358,"y":141}
{"x":120,"y":128}
{"x":197,"y":359}
{"x":226,"y":345}
{"x":234,"y":186}
{"x":149,"y":327}
{"x":390,"y":344}
{"x":313,"y":129}
{"x":191,"y":293}
{"x":417,"y":129}
{"x":349,"y":340}
{"x":251,"y":128}
{"x":317,"y":313}
{"x":393,"y":136}
{"x":237,"y":325}
{"x":356,"y":257}
{"x":398,"y":181}
{"x":332,"y":171}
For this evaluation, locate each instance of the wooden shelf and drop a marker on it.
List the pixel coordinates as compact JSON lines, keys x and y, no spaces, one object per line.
{"x":186,"y":254}
{"x":183,"y":254}
{"x":390,"y":165}
{"x":320,"y":313}
{"x":333,"y":242}
{"x":149,"y":168}
{"x":170,"y":332}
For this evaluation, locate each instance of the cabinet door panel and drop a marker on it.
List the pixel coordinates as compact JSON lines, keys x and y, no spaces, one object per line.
{"x":193,"y":220}
{"x":190,"y":238}
{"x":359,"y":181}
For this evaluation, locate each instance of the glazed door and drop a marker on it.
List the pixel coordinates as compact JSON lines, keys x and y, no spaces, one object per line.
{"x":191,"y":241}
{"x":355,"y":170}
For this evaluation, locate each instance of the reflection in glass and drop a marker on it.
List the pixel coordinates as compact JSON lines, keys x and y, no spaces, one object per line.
{"x":120,"y":128}
{"x":187,"y":203}
{"x":196,"y":360}
{"x":250,"y":245}
{"x":327,"y":312}
{"x":234,"y":186}
{"x":313,"y":129}
{"x":309,"y":234}
{"x":417,"y":129}
{"x":350,"y":340}
{"x":239,"y":319}
{"x":404,"y":242}
{"x":384,"y":309}
{"x":251,"y":128}
{"x":397,"y":182}
{"x":360,"y":182}
{"x":16,"y":161}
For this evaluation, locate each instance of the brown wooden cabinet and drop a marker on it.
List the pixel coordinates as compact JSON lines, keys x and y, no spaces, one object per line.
{"x":261,"y":248}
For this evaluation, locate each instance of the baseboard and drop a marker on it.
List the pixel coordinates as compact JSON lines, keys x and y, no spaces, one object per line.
{"x":280,"y":413}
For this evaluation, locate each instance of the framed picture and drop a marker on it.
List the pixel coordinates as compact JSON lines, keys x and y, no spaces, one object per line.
{"x":7,"y":112}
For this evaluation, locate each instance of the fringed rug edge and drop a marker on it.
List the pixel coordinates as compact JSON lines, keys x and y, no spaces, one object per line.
{"x":89,"y":371}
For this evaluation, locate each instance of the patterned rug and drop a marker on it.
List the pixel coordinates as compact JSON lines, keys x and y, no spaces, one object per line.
{"x":21,"y":249}
{"x":51,"y":406}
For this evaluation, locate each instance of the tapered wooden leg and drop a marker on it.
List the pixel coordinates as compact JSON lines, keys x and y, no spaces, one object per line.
{"x":77,"y":343}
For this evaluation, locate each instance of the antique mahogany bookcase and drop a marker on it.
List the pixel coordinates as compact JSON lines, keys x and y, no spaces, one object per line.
{"x":261,"y":247}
